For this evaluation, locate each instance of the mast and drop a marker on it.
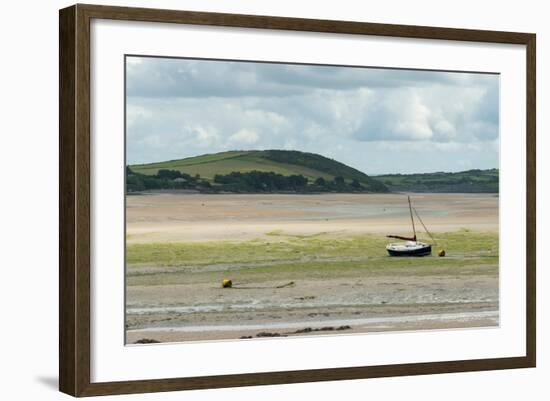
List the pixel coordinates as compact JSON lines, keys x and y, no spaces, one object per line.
{"x":412,"y":219}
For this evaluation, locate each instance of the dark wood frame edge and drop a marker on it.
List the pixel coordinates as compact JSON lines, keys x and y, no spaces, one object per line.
{"x":74,"y":199}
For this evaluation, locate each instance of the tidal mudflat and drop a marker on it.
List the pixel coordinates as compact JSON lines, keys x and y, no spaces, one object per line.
{"x":305,"y":265}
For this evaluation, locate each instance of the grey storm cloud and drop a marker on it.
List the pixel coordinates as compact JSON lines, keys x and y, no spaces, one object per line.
{"x":161,"y":77}
{"x":361,"y":116}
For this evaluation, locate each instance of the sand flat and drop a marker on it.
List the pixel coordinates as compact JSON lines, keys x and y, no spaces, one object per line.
{"x":299,"y":290}
{"x":167,"y":217}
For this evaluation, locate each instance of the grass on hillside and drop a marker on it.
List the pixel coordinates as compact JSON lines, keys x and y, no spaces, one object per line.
{"x":288,"y":163}
{"x":463,"y":181}
{"x":208,"y":166}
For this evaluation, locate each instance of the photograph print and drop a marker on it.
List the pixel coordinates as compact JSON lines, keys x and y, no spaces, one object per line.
{"x":283,"y":200}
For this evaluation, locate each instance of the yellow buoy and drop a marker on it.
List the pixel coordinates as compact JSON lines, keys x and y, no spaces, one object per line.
{"x":441,"y":253}
{"x":226,"y":283}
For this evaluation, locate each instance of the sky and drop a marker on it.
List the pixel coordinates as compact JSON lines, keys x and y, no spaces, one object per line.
{"x":373,"y":119}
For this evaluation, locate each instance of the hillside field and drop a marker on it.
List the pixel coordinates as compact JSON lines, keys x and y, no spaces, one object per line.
{"x":280,"y":162}
{"x":256,"y":171}
{"x":470,"y":181}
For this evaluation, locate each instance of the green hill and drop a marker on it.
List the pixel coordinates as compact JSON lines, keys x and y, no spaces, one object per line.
{"x":224,"y":168}
{"x":472,"y":181}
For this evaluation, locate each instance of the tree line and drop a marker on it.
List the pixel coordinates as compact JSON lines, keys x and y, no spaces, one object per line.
{"x":251,"y":181}
{"x":163,"y":179}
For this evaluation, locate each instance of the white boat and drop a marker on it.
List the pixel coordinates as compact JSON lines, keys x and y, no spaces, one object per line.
{"x":411,"y":247}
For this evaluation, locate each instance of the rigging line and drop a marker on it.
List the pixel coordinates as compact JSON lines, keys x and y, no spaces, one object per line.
{"x":423,"y":225}
{"x":412,"y":219}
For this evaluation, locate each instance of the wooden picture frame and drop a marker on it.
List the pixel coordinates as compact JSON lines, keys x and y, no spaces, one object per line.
{"x":74,"y":199}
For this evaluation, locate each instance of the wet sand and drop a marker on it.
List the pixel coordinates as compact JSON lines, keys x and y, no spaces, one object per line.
{"x":439,"y":321}
{"x":407,"y":294}
{"x":197,"y":217}
{"x":339,"y":306}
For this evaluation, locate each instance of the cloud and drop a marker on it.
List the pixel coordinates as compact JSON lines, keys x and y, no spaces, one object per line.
{"x":245,"y":137}
{"x":163,"y":77}
{"x":179,"y":108}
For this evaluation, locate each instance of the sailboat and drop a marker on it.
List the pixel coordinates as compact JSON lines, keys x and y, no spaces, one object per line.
{"x":411,"y":247}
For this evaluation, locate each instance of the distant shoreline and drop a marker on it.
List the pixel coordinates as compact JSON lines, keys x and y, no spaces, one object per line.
{"x":197,"y":192}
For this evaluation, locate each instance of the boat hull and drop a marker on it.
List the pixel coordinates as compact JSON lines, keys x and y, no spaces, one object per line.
{"x":421,"y":251}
